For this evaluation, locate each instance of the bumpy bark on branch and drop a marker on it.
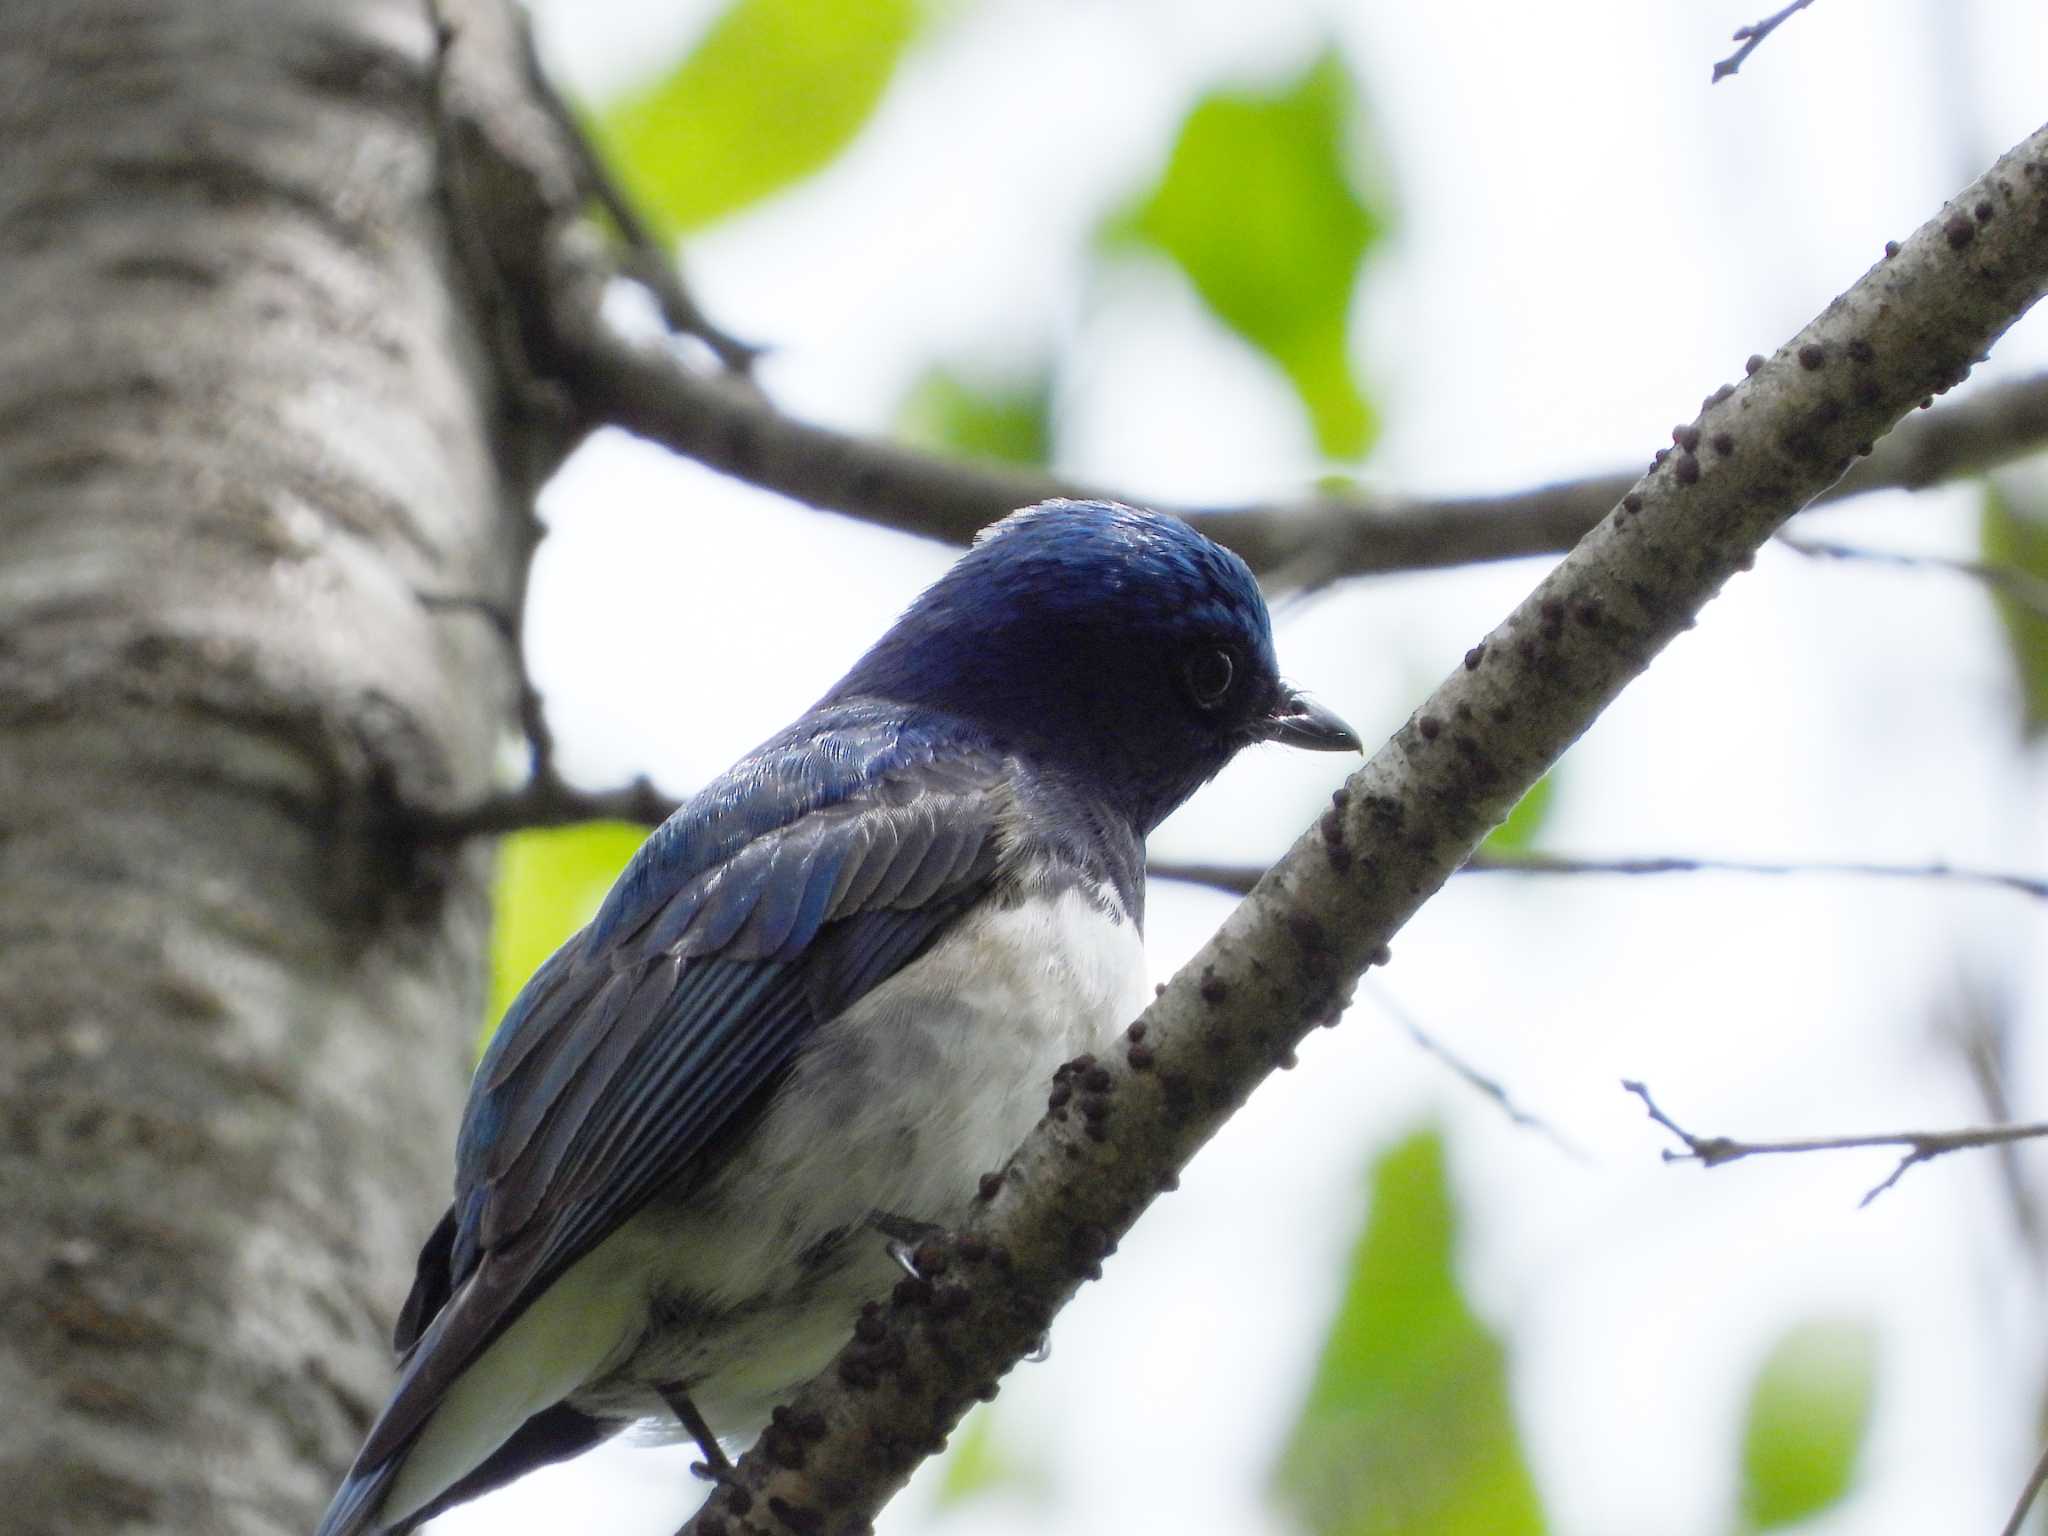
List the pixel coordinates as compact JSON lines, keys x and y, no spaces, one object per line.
{"x":1287,"y":957}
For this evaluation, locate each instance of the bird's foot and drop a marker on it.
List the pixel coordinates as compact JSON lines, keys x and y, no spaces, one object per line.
{"x":904,"y":1234}
{"x":716,"y":1467}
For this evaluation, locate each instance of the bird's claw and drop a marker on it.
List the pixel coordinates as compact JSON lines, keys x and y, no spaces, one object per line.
{"x":904,"y":1234}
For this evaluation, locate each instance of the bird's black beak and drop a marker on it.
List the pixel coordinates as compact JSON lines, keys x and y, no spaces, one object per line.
{"x":1299,"y":722}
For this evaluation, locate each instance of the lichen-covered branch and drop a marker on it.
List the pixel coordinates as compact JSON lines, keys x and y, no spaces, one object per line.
{"x":1120,"y":1128}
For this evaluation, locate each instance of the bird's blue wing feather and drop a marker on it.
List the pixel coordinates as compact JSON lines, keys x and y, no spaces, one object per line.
{"x":799,"y":881}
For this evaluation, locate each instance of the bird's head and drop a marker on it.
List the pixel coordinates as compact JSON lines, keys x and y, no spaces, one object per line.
{"x":1106,"y":639}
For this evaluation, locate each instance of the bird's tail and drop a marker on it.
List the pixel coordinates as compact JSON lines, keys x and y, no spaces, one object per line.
{"x":354,"y":1509}
{"x":555,"y":1435}
{"x":461,"y":1421}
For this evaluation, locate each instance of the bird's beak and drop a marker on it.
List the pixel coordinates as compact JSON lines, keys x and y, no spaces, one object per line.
{"x":1299,"y":722}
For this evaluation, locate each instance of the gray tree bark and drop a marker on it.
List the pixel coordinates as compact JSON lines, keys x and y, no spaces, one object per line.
{"x":250,"y":430}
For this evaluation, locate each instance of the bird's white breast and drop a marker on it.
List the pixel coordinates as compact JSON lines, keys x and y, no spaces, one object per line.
{"x":902,"y":1102}
{"x":896,"y":1107}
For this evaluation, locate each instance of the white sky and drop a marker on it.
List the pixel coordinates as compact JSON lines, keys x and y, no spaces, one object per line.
{"x":1590,"y":240}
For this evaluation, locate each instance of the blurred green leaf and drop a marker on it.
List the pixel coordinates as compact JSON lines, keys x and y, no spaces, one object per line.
{"x":1808,"y":1414}
{"x":2015,"y":533}
{"x":1257,"y":207}
{"x":1525,"y":822}
{"x":549,"y":884}
{"x":1408,"y":1430}
{"x":1009,"y":420}
{"x":979,"y":1465}
{"x":773,"y":92}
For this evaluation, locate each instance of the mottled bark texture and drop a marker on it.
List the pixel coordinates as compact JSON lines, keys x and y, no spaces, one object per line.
{"x":249,"y":434}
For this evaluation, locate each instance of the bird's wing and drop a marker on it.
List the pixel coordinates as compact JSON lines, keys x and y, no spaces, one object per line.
{"x":652,"y":1032}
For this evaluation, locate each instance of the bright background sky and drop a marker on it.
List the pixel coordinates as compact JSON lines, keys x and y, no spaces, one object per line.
{"x":1590,"y":239}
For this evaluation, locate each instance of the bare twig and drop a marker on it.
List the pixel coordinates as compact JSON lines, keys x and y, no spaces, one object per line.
{"x":1242,"y":877}
{"x":546,"y":800}
{"x":1979,"y":1021}
{"x":644,"y":256}
{"x":1753,"y":35}
{"x":1921,"y":1146}
{"x":2023,"y":587}
{"x":1937,"y":871}
{"x":2028,"y":1494}
{"x":1489,"y":1087}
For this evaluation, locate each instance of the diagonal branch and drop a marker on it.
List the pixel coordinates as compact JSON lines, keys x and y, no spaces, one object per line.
{"x":1921,"y":1146}
{"x":1119,"y":1129}
{"x":1484,"y":1085}
{"x":643,"y":256}
{"x":2017,"y":1520}
{"x":1751,"y":37}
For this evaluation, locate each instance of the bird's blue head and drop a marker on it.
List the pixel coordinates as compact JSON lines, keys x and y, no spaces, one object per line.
{"x":1103,"y":639}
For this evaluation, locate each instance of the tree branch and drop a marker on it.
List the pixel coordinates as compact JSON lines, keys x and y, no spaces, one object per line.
{"x":1752,"y":36}
{"x":1242,"y":877}
{"x":533,"y":170}
{"x":2018,"y":1518}
{"x":1119,"y":1129}
{"x":652,"y":391}
{"x":1481,"y":1083}
{"x":2023,"y":587}
{"x":643,"y":256}
{"x":1921,"y":1146}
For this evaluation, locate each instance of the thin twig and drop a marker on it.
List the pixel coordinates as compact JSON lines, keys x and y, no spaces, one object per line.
{"x":1938,"y":871}
{"x":2035,"y":1480}
{"x":1983,"y":1032}
{"x":1490,"y":1087}
{"x":1921,"y":1146}
{"x":2022,"y":587}
{"x":546,"y":800}
{"x":644,"y":256}
{"x":1242,"y":877}
{"x":1754,"y":34}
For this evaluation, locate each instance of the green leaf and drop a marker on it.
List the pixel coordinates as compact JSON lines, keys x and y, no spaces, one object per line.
{"x":549,"y":884}
{"x":1257,"y":207}
{"x":1408,"y":1429}
{"x":1809,"y":1412}
{"x":2015,"y":533}
{"x":1519,"y":832}
{"x":1010,"y":420}
{"x":773,"y":92}
{"x":979,"y":1465}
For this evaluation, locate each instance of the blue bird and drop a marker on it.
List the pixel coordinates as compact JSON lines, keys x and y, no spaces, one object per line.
{"x":824,"y":997}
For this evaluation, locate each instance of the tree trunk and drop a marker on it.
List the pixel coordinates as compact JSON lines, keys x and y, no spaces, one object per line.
{"x":250,"y":431}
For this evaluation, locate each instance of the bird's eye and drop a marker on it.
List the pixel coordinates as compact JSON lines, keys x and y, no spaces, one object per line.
{"x":1209,"y":674}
